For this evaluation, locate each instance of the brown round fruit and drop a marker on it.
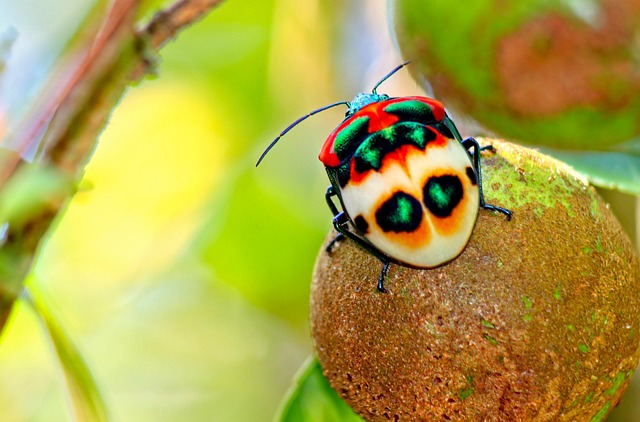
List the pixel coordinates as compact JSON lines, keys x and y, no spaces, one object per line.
{"x":537,"y":319}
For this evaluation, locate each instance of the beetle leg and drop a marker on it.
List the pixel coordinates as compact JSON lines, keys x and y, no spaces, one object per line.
{"x":331,"y":192}
{"x":383,"y":274}
{"x":472,"y":143}
{"x":336,"y":239}
{"x":340,"y":222}
{"x":334,"y":210}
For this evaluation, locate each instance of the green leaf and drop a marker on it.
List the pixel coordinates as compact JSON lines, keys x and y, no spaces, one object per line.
{"x":607,"y":169}
{"x":313,"y":400}
{"x":83,"y":394}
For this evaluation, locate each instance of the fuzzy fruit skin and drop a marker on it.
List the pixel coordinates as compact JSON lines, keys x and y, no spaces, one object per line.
{"x":538,"y":318}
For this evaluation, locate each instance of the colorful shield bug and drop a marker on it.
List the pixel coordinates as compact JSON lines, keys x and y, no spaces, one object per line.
{"x":408,"y":185}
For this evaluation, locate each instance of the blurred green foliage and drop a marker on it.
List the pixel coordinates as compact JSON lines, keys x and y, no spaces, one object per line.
{"x":313,"y":400}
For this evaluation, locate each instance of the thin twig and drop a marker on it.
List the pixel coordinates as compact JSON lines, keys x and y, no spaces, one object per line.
{"x":166,"y":23}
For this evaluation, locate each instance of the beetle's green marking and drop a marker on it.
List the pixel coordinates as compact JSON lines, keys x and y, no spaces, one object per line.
{"x":442,"y":194}
{"x":348,"y":139}
{"x":400,"y":213}
{"x":370,"y":154}
{"x":419,"y":112}
{"x":412,"y":111}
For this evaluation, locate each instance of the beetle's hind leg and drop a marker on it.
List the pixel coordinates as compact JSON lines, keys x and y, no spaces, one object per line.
{"x":471,"y":143}
{"x":336,"y":239}
{"x":383,"y":275}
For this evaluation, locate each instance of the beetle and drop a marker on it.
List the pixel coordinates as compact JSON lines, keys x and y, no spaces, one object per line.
{"x":408,"y":187}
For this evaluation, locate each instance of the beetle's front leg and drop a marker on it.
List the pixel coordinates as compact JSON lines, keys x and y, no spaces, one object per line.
{"x":328,"y":196}
{"x":471,"y":143}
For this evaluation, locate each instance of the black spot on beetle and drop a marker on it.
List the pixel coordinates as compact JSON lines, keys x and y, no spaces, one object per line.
{"x":472,"y":176}
{"x":361,"y":224}
{"x":400,"y":213}
{"x":442,"y":194}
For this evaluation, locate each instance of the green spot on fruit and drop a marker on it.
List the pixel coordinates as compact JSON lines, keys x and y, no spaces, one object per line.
{"x":556,"y":293}
{"x":499,"y":264}
{"x":570,"y":327}
{"x":487,"y":324}
{"x":583,"y":348}
{"x":490,"y":339}
{"x":466,"y":392}
{"x":595,"y":209}
{"x":616,"y":383}
{"x":586,"y":249}
{"x":602,"y":413}
{"x":594,"y":316}
{"x":588,"y":398}
{"x":527,"y":317}
{"x":528,"y":304}
{"x":599,"y":247}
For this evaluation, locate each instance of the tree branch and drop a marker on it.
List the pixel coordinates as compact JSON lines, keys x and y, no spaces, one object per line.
{"x":66,"y":123}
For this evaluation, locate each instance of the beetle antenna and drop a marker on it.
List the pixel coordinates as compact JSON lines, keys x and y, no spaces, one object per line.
{"x":272,"y":144}
{"x":388,"y":75}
